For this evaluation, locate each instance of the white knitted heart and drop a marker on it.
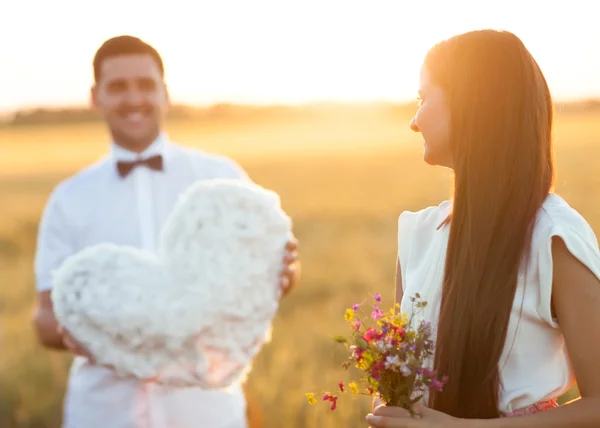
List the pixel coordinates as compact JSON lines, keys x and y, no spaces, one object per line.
{"x":198,"y":311}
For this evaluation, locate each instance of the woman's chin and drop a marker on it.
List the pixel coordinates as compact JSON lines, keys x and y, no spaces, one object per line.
{"x":429,"y":158}
{"x":433,"y":160}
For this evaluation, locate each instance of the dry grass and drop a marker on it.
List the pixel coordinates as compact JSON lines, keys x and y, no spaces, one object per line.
{"x":344,"y":182}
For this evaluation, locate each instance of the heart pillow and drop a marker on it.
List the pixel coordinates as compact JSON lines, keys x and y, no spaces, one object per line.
{"x":198,"y":310}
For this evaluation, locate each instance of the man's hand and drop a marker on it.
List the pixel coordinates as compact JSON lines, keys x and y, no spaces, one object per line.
{"x":291,"y":271}
{"x":50,"y":333}
{"x":73,"y":345}
{"x":78,"y":349}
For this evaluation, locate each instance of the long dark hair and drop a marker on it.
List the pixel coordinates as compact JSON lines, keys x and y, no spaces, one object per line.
{"x":500,"y":133}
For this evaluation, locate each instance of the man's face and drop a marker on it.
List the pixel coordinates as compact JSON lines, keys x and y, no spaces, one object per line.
{"x":133,"y":99}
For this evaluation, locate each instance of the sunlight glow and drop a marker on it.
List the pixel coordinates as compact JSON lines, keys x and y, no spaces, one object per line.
{"x":278,"y":51}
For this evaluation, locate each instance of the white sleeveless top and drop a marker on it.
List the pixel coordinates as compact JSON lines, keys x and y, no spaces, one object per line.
{"x":537,"y":368}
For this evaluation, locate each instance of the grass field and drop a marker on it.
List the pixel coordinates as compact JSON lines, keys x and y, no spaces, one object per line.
{"x":343,"y":181}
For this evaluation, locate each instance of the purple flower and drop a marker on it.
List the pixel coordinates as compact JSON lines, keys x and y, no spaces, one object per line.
{"x":428,"y":373}
{"x":377,"y":313}
{"x":437,"y":385}
{"x":425,"y":327}
{"x":378,"y":297}
{"x":357,"y":325}
{"x":355,"y":306}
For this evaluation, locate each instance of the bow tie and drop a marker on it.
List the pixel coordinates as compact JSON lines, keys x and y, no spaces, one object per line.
{"x":155,"y":163}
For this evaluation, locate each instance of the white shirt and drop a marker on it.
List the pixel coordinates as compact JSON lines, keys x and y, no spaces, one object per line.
{"x":98,"y":206}
{"x":538,"y":367}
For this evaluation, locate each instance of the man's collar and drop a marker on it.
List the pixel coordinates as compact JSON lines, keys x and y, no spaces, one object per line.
{"x":158,"y":147}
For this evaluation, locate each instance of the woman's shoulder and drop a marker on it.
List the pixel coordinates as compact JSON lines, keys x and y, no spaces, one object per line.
{"x":415,"y":232}
{"x":558,"y":218}
{"x":428,"y":218}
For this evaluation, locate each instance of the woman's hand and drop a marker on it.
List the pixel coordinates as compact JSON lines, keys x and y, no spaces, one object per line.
{"x":377,"y":402}
{"x":397,"y":417}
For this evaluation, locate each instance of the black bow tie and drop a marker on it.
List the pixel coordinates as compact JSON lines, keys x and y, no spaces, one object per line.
{"x":155,"y":163}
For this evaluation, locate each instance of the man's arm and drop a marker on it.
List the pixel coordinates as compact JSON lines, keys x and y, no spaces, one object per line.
{"x":45,"y":323}
{"x":54,"y":245}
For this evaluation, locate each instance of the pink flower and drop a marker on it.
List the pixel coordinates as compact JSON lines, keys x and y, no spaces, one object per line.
{"x":377,"y":369}
{"x":380,"y":365}
{"x":358,"y":353}
{"x":331,"y":399}
{"x":357,"y":325}
{"x":377,"y":313}
{"x":378,"y":297}
{"x":341,"y":385}
{"x":375,"y":374}
{"x":437,"y":385}
{"x":371,"y":334}
{"x":355,"y":306}
{"x":428,"y":373}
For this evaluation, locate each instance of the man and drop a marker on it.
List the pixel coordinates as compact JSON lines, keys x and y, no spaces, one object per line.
{"x":125,"y":199}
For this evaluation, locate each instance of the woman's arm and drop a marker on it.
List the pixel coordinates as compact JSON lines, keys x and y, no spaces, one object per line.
{"x":399,"y":290}
{"x":576,"y":300}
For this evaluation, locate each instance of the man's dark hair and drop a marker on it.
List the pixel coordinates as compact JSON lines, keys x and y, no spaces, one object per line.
{"x":124,"y":45}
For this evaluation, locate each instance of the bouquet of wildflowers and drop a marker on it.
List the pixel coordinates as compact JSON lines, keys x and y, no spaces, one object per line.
{"x":391,"y":354}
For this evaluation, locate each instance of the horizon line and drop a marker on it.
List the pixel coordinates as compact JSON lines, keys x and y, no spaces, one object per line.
{"x":306,"y":103}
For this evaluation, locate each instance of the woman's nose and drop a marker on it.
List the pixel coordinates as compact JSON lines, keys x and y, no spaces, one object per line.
{"x":413,"y":125}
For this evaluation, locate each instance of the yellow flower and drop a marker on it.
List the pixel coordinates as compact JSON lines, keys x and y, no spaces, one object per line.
{"x":353,"y":387}
{"x":374,"y":384}
{"x":310,"y":396}
{"x":362,"y":365}
{"x":368,"y":357}
{"x":349,"y":315}
{"x":396,"y":321}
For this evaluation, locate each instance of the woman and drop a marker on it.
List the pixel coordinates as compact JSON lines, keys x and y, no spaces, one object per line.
{"x":510,"y":271}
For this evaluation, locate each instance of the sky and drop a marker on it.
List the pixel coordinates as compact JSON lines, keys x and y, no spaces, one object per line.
{"x":280,"y":51}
